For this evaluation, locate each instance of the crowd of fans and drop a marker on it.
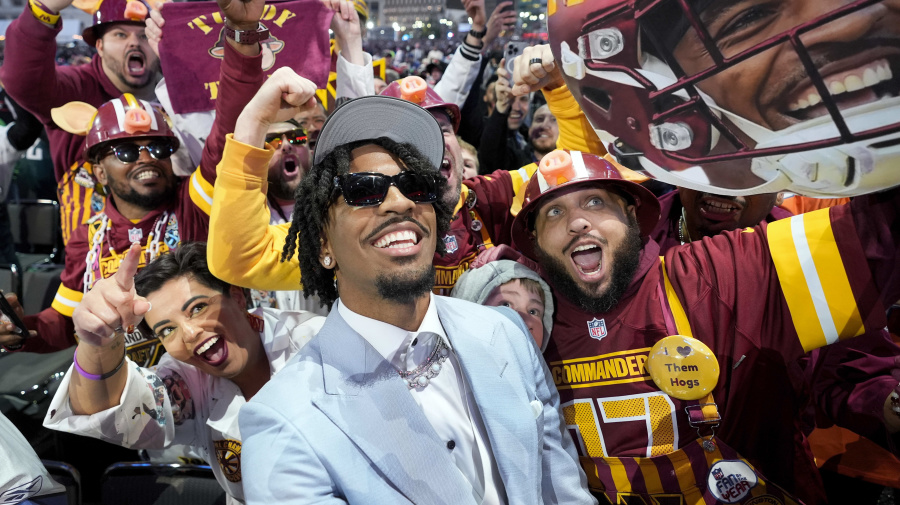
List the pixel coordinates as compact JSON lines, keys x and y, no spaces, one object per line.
{"x":451,"y":280}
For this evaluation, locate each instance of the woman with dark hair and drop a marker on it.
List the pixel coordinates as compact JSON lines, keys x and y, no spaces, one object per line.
{"x":218,"y":356}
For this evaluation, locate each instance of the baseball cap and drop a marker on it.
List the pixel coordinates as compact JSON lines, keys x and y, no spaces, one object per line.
{"x":371,"y":117}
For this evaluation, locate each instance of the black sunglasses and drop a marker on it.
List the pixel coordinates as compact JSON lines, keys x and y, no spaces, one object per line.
{"x":295,"y":137}
{"x":129,"y":152}
{"x":363,"y":189}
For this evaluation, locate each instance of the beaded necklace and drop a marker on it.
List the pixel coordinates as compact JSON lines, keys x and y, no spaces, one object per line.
{"x":92,"y":260}
{"x":421,"y":376}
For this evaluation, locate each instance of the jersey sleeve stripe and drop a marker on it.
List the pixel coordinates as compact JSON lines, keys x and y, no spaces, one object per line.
{"x":518,"y":186}
{"x":201,"y":192}
{"x":813,"y":279}
{"x":841,"y":303}
{"x":811,"y":276}
{"x":793,"y":283}
{"x":66,"y":300}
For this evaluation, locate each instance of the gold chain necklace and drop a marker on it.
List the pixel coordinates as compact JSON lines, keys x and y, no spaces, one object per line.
{"x":683,"y":235}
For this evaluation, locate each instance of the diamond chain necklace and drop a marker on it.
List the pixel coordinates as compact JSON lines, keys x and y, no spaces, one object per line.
{"x":421,"y":376}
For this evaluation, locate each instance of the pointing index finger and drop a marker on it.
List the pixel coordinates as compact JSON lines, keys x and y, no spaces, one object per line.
{"x":125,"y":275}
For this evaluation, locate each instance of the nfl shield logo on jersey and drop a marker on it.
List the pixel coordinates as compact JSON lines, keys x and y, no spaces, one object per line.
{"x":450,"y":244}
{"x":135,"y":235}
{"x":597,"y":328}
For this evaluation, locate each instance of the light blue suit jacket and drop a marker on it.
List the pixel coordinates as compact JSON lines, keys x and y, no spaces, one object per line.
{"x":337,"y":424}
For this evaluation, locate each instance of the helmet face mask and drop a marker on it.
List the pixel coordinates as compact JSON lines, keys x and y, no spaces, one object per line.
{"x":740,"y":97}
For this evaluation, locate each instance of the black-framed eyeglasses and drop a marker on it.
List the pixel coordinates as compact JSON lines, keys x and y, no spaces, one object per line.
{"x":363,"y":189}
{"x":295,"y":137}
{"x":129,"y":152}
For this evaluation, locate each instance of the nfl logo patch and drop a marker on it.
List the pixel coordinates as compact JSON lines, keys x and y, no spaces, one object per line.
{"x":597,"y":328}
{"x":135,"y":235}
{"x":718,"y":474}
{"x":450,"y":244}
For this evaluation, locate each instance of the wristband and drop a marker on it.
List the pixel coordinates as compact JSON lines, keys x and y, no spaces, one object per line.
{"x":92,"y":376}
{"x":42,"y":13}
{"x":478,"y":34}
{"x":247,"y":37}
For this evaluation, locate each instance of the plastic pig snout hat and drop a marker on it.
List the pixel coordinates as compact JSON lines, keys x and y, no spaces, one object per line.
{"x":563,"y":169}
{"x":414,"y":89}
{"x":132,"y":12}
{"x":123,"y":117}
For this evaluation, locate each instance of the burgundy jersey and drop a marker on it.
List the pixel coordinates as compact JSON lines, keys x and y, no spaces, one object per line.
{"x":482,"y":220}
{"x":158,"y":232}
{"x":774,"y":291}
{"x":96,"y":248}
{"x":31,"y":78}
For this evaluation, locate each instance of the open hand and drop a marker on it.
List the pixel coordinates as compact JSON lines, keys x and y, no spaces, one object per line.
{"x":475,"y":10}
{"x":347,"y":32}
{"x":501,"y":21}
{"x":154,"y":24}
{"x":112,"y":305}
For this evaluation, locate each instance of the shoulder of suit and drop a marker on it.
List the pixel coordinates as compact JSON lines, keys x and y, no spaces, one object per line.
{"x":467,"y":312}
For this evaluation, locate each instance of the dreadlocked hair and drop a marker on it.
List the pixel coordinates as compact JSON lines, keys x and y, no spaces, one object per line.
{"x":315,"y":195}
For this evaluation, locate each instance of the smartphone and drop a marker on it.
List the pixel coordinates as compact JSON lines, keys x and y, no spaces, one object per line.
{"x":513,"y":48}
{"x":8,"y":311}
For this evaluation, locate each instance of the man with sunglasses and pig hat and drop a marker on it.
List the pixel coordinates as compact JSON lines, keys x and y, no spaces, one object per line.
{"x":130,"y":145}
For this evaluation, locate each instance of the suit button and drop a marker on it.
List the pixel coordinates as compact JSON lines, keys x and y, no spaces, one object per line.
{"x":451,"y":444}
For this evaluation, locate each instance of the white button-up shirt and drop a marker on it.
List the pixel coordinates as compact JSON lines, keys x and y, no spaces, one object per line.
{"x":447,"y":401}
{"x":175,"y":403}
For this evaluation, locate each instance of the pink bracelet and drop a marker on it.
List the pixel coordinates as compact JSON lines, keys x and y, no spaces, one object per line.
{"x":92,"y":376}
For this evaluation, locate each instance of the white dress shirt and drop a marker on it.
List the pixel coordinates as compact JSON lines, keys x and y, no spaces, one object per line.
{"x":446,"y":401}
{"x":207,"y":420}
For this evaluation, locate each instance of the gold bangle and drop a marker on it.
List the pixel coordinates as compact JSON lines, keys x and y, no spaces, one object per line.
{"x":41,"y":14}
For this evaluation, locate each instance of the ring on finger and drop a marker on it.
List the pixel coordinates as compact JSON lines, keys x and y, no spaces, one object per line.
{"x":532,"y":61}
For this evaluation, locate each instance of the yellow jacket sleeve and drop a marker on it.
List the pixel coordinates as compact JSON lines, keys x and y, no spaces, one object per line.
{"x":575,"y":132}
{"x":244,"y":249}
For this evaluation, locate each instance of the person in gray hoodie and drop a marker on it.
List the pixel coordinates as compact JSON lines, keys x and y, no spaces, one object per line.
{"x":503,"y":277}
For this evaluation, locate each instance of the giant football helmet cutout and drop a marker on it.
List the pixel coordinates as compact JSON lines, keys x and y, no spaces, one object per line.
{"x":740,"y":96}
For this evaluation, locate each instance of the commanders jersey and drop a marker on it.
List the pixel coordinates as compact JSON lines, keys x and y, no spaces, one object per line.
{"x":482,"y":220}
{"x":185,"y":218}
{"x":776,"y":290}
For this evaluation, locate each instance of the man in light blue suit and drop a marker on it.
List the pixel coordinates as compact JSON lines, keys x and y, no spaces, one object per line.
{"x":403,"y":397}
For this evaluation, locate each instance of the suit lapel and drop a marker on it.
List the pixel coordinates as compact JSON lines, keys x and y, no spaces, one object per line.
{"x":367,"y":400}
{"x":501,"y":399}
